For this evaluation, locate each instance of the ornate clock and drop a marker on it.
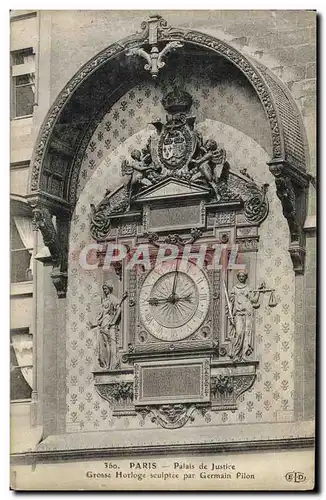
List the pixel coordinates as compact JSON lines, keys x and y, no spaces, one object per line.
{"x":184,"y":337}
{"x":174,"y":300}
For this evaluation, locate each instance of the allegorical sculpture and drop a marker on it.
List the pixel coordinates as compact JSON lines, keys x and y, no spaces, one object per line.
{"x":141,"y":171}
{"x":208,"y":164}
{"x":241,"y":302}
{"x":179,"y":151}
{"x":107,"y":324}
{"x":240,"y":308}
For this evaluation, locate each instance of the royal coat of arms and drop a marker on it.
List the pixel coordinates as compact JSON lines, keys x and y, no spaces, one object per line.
{"x":179,"y":152}
{"x":176,"y":140}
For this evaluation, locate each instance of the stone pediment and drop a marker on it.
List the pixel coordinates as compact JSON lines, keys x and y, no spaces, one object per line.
{"x":172,"y":188}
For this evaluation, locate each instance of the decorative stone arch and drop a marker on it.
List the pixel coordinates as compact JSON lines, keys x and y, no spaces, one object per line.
{"x":57,"y":156}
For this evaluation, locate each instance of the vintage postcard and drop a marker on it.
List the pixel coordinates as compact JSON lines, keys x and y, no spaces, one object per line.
{"x":163,"y":249}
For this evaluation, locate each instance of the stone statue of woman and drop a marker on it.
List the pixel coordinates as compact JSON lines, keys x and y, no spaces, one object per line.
{"x":107,"y":323}
{"x":242,"y":302}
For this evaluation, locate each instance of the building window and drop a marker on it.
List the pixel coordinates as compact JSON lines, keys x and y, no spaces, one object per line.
{"x":21,"y":365}
{"x":23,"y":82}
{"x":21,"y":234}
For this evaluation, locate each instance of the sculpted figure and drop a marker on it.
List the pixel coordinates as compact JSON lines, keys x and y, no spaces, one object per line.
{"x":43,"y":221}
{"x":208,"y":164}
{"x":107,"y":323}
{"x":141,"y":171}
{"x":242,"y":302}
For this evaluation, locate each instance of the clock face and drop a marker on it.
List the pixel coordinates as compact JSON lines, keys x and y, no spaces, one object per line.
{"x":174,"y":300}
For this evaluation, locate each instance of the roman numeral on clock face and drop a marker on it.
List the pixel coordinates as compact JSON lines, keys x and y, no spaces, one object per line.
{"x":159,"y":329}
{"x":199,"y":314}
{"x":148,"y":318}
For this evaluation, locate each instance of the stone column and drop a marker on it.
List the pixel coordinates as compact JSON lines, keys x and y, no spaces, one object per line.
{"x":54,"y":354}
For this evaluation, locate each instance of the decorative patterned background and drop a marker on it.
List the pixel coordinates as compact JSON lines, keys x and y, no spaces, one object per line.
{"x":122,"y":129}
{"x":214,"y":96}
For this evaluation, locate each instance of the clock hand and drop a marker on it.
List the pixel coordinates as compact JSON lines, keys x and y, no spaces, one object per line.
{"x":175,"y":281}
{"x":187,"y":298}
{"x":154,"y":301}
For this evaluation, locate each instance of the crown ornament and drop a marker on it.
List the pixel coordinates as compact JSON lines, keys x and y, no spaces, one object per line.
{"x":177,"y":101}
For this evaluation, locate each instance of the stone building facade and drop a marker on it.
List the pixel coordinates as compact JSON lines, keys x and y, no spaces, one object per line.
{"x":80,"y":106}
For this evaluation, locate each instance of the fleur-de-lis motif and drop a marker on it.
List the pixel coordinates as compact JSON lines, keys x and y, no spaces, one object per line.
{"x":104,"y":414}
{"x":285,"y":404}
{"x":92,"y":146}
{"x":267,"y":405}
{"x":259,"y":396}
{"x":88,"y":397}
{"x":74,"y":416}
{"x":284,"y":385}
{"x":250,"y":405}
{"x":74,"y":362}
{"x":73,"y":398}
{"x":267,"y":385}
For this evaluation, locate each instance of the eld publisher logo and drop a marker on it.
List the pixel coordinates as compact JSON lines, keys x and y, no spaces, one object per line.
{"x":295,"y":477}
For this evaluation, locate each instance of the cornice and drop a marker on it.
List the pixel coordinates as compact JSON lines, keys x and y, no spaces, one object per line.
{"x":170,"y":449}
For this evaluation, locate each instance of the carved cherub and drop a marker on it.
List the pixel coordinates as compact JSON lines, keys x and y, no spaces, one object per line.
{"x":140,"y":171}
{"x":208,"y":164}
